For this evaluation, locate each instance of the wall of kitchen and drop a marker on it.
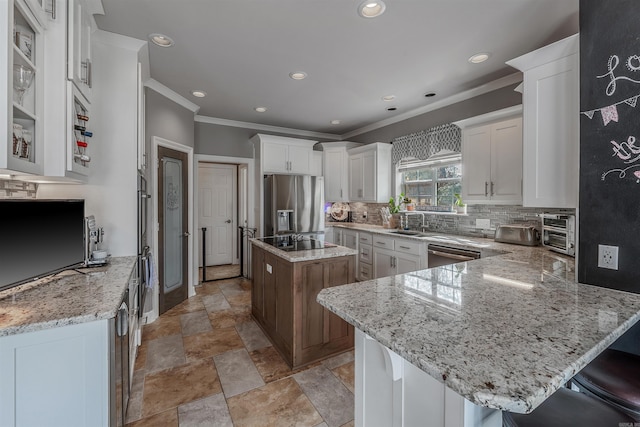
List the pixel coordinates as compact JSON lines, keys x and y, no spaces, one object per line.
{"x":220,"y":140}
{"x":609,"y":161}
{"x":110,"y":193}
{"x":460,"y":224}
{"x":166,"y":119}
{"x":492,"y":101}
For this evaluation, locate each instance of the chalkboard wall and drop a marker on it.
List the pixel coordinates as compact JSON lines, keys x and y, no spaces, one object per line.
{"x":610,"y":141}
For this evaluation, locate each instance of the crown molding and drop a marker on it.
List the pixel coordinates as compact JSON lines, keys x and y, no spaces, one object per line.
{"x":158,"y":87}
{"x":267,"y":128}
{"x":462,"y":96}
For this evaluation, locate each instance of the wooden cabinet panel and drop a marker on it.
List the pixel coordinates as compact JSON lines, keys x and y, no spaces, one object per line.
{"x":284,"y":302}
{"x":257,"y":284}
{"x":284,"y":305}
{"x":270,"y":290}
{"x":312,"y":312}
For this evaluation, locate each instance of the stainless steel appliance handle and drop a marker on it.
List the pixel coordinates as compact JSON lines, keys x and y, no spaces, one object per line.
{"x":452,"y":256}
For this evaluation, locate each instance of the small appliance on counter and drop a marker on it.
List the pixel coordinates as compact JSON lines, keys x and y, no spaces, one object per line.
{"x":94,"y":256}
{"x":559,"y":233}
{"x":525,"y":235}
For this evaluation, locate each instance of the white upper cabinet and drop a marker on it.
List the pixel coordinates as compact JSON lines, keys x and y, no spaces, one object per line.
{"x":336,"y":170}
{"x":21,"y":116}
{"x":551,"y":101}
{"x":316,"y":163}
{"x":68,"y":146}
{"x":492,"y":162}
{"x":284,"y":155}
{"x":81,"y":26}
{"x":370,"y":173}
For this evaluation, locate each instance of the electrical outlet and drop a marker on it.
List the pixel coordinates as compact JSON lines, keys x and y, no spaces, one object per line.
{"x":485,"y":224}
{"x":608,"y":257}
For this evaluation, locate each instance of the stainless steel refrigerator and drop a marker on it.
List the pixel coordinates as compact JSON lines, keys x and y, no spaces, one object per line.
{"x":293,"y":204}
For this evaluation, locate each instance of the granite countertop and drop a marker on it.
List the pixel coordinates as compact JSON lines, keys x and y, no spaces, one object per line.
{"x":69,"y":297}
{"x":308,"y":255}
{"x":504,"y":332}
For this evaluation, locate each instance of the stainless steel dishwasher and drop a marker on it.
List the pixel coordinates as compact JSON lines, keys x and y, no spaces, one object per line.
{"x":438,"y":255}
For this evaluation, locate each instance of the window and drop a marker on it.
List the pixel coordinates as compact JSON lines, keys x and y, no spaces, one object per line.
{"x":432,"y":185}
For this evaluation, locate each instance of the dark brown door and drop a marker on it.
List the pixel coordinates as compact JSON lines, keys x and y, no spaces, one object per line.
{"x":173,"y":217}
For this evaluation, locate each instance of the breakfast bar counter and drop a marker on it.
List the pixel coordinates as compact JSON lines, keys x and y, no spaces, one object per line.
{"x":67,"y":298}
{"x":503,"y":332}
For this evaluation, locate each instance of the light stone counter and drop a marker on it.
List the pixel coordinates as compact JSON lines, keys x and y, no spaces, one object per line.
{"x":308,"y":255}
{"x":66,"y":298}
{"x":504,"y":332}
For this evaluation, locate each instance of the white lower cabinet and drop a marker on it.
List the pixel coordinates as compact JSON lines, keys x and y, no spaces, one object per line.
{"x":397,"y":256}
{"x":56,"y":377}
{"x":365,"y":257}
{"x":391,"y":392}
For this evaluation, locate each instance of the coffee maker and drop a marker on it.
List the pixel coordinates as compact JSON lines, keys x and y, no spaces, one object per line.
{"x":93,"y":255}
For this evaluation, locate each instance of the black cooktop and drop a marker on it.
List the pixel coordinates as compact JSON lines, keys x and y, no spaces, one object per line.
{"x":293,"y":243}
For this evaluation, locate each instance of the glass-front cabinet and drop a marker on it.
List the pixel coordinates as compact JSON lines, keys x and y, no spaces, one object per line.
{"x":23,"y":49}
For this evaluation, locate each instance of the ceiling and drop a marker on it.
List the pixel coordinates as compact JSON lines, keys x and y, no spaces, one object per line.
{"x":241,"y":53}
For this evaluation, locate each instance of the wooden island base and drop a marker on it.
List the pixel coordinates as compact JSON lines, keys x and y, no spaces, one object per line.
{"x":283,"y":302}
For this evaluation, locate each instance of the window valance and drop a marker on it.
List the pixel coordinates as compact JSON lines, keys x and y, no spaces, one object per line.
{"x":424,"y":144}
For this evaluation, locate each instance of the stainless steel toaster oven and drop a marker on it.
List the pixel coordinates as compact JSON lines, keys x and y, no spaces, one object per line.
{"x":559,"y":233}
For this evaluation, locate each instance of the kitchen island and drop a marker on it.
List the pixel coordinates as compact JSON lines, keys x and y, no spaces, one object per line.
{"x":284,"y":288}
{"x":460,"y":343}
{"x":56,"y":343}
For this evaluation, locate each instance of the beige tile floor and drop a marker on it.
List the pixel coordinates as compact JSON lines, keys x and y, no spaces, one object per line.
{"x":207,"y":363}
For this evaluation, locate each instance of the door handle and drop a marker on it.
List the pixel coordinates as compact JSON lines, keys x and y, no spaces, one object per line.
{"x":228,"y":221}
{"x":186,"y":234}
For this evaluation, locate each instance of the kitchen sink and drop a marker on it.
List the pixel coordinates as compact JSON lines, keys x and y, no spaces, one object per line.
{"x":408,"y":233}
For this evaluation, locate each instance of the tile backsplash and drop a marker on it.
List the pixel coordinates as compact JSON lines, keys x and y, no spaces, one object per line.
{"x":17,"y":189}
{"x":456,"y":223}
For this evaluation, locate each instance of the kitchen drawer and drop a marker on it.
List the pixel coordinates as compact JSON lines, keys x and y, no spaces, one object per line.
{"x":408,"y":246}
{"x":365,"y":238}
{"x":366,"y":254}
{"x":365,"y":272}
{"x":383,"y":242}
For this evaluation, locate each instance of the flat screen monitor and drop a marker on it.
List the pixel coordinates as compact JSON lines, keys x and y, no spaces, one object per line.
{"x":38,"y":238}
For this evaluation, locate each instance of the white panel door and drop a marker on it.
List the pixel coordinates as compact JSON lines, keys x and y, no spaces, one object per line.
{"x":217,"y":206}
{"x":275,"y":158}
{"x":300,"y":159}
{"x":476,"y":163}
{"x":335,"y":169}
{"x":369,"y":176}
{"x":551,"y":146}
{"x":506,"y":161}
{"x":355,"y":178}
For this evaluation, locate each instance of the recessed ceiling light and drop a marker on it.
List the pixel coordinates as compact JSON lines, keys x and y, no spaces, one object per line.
{"x":478,"y":58}
{"x":199,"y":93}
{"x":392,"y":108}
{"x":335,"y":122}
{"x":430,"y":94}
{"x":161,"y":40}
{"x":388,"y":98}
{"x":371,"y":8}
{"x":298,"y":75}
{"x":261,"y":109}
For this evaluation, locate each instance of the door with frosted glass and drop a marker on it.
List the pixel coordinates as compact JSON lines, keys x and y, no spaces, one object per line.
{"x":173,"y":223}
